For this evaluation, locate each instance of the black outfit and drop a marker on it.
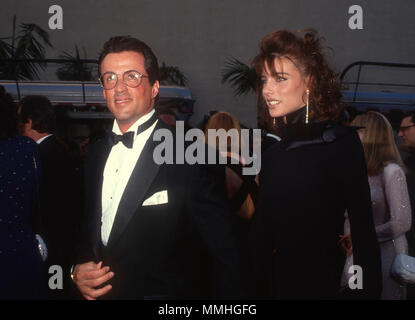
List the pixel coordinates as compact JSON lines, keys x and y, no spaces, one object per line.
{"x":410,"y":180}
{"x":21,"y":267}
{"x":60,"y":208}
{"x":248,"y":186}
{"x":163,"y":251}
{"x":307,"y":182}
{"x":410,"y":235}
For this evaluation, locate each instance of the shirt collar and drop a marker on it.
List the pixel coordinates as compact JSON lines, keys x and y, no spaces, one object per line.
{"x":134,"y":127}
{"x":41,"y":139}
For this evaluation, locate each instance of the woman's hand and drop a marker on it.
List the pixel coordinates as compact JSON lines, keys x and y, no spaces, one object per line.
{"x":345,"y":243}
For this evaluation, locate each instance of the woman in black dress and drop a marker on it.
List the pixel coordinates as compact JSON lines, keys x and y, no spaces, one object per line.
{"x":308,"y":179}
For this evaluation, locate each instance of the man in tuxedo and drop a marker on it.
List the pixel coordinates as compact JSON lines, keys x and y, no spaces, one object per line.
{"x":151,"y":231}
{"x":59,"y":196}
{"x":407,"y":135}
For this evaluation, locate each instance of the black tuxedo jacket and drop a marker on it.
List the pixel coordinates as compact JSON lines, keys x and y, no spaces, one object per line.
{"x":59,"y":202}
{"x":165,"y":251}
{"x":59,"y":212}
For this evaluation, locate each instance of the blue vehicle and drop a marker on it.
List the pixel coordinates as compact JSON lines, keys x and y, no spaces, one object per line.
{"x":84,"y":99}
{"x":81,"y":108}
{"x":385,"y":87}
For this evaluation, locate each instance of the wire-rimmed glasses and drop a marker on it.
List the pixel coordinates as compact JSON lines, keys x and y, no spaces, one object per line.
{"x":130,"y":78}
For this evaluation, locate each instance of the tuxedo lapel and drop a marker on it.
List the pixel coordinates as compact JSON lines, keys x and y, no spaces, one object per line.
{"x":47,"y":142}
{"x":140,"y":180}
{"x":98,"y":159}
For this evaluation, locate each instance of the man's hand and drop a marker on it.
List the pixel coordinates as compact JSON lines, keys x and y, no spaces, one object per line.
{"x":88,"y":276}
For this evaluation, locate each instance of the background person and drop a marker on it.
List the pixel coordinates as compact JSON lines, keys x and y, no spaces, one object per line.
{"x":407,"y":134}
{"x":19,"y":180}
{"x":60,"y":190}
{"x":390,"y":200}
{"x":241,"y":189}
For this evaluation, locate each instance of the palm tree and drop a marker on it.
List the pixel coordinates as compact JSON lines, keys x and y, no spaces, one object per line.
{"x":28,"y":44}
{"x":240,"y":76}
{"x":172,"y":76}
{"x":74,"y":69}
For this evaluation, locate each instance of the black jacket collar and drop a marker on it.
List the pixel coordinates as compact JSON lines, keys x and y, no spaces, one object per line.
{"x":296,"y":133}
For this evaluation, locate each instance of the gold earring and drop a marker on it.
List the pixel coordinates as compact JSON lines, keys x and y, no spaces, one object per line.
{"x":308,"y":100}
{"x":273,"y":122}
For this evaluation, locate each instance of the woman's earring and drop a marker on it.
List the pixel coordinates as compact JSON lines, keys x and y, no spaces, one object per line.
{"x":273,"y":121}
{"x":308,"y":101}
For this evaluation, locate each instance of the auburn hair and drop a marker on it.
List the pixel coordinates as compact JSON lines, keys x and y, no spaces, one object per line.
{"x":307,"y":54}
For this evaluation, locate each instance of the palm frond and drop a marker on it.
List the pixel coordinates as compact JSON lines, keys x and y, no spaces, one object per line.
{"x":36,"y":32}
{"x":74,"y":69}
{"x":172,"y":75}
{"x":239,"y":75}
{"x":5,"y":49}
{"x":29,"y":44}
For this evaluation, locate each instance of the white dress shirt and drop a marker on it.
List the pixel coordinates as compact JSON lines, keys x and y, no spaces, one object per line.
{"x":118,"y":169}
{"x":41,"y":139}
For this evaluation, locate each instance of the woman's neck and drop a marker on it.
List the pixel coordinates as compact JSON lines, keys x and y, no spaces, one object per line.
{"x":296,"y":117}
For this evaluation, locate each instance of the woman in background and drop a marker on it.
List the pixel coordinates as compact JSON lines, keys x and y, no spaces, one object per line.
{"x":309,"y":178}
{"x":21,"y":266}
{"x":390,"y":200}
{"x":241,"y":189}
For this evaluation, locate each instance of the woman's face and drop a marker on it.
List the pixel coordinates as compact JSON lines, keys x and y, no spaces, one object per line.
{"x":361,"y":133}
{"x":283,"y":94}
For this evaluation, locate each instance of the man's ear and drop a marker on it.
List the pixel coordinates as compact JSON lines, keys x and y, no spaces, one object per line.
{"x":104,"y":93}
{"x":155,"y":89}
{"x":25,"y":128}
{"x":29,"y":124}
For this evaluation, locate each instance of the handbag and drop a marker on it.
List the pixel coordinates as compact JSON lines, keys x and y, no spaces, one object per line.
{"x":403,"y":267}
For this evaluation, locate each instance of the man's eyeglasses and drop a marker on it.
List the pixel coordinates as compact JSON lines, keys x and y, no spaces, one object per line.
{"x":405,"y":128}
{"x":131,"y":78}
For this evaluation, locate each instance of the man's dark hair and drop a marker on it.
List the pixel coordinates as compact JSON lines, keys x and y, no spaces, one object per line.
{"x":126,"y":43}
{"x":8,"y":119}
{"x":412,"y":115}
{"x":40,"y":110}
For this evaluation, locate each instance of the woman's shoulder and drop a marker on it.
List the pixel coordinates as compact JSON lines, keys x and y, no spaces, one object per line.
{"x":26,"y":143}
{"x":393,"y":170}
{"x":343,"y":138}
{"x":26,"y":140}
{"x":17,"y":149}
{"x":337,"y":132}
{"x":20,"y":142}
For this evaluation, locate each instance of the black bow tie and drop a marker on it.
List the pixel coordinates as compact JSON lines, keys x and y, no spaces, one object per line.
{"x":128,"y":137}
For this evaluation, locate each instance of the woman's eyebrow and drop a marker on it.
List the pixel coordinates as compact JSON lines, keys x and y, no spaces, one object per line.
{"x":277,"y":73}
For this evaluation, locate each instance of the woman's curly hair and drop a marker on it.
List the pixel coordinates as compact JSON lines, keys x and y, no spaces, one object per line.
{"x":307,"y":54}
